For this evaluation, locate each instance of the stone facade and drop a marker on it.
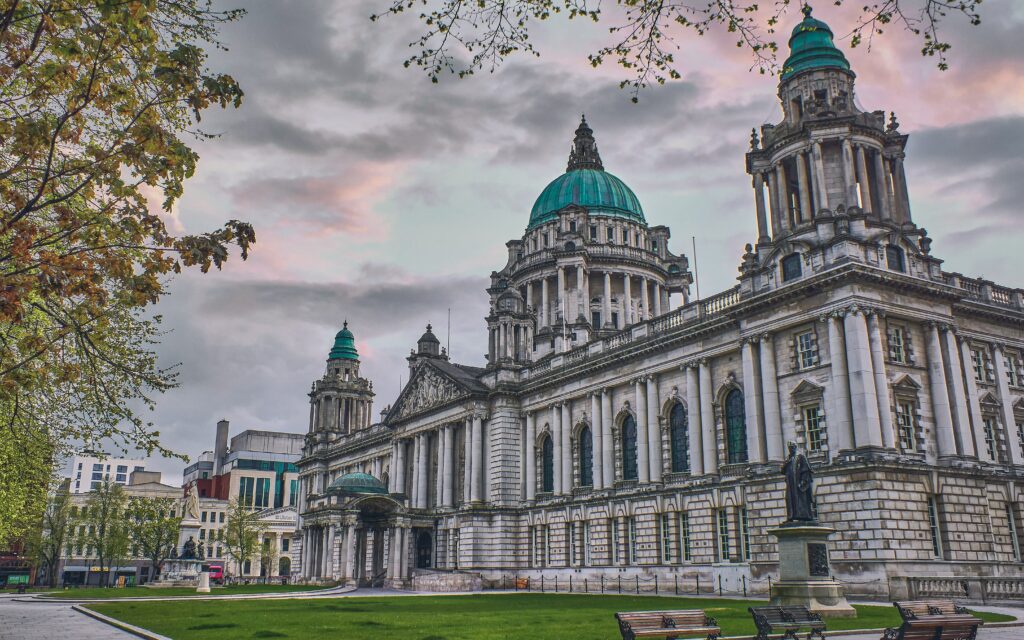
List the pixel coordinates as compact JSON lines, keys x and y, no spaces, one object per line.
{"x":612,"y":436}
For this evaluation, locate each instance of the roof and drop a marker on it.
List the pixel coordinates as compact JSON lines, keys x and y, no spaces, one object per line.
{"x":811,"y":47}
{"x":344,"y":345}
{"x":359,"y":483}
{"x":465,"y":375}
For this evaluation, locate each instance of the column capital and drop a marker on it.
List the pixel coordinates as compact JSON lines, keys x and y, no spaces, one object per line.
{"x":766,"y":337}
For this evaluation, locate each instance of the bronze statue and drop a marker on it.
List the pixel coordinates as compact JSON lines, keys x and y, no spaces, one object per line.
{"x":799,"y":492}
{"x":188,"y":550}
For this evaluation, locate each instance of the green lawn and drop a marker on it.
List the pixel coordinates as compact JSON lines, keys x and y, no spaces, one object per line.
{"x":146,"y":592}
{"x":477,"y":617}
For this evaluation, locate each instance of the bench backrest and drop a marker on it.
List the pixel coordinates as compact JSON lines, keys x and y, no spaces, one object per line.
{"x":918,"y":608}
{"x":682,"y":619}
{"x":794,"y":613}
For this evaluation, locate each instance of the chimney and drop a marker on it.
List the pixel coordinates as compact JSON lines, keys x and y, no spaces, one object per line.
{"x":220,"y":448}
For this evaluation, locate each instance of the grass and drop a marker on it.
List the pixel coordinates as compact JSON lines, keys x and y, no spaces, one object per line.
{"x":476,"y":617}
{"x":146,"y":592}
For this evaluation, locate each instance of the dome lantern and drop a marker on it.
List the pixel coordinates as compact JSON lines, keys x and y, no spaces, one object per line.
{"x":344,"y":345}
{"x":811,"y":47}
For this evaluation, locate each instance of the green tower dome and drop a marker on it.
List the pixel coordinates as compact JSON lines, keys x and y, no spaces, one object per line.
{"x":587,"y":184}
{"x":359,"y":483}
{"x":344,"y":345}
{"x":811,"y":47}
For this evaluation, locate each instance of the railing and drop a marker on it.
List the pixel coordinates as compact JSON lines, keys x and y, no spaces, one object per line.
{"x":938,"y":587}
{"x":676,"y":584}
{"x":983,"y":589}
{"x":1003,"y":588}
{"x":986,"y":291}
{"x":698,"y":311}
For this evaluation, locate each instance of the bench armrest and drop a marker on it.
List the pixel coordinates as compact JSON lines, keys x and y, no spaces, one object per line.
{"x":892,"y":633}
{"x":709,"y":621}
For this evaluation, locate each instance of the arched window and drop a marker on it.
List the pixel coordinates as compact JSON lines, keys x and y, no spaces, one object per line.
{"x":547,"y":454}
{"x":629,"y":470}
{"x":680,"y":434}
{"x":735,"y":426}
{"x":586,"y":458}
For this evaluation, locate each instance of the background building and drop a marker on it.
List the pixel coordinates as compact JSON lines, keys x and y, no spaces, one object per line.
{"x":89,"y":468}
{"x":608,"y":435}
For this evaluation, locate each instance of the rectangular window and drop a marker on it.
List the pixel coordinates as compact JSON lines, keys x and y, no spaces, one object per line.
{"x":122,"y":468}
{"x":572,"y":226}
{"x":812,"y":427}
{"x":611,"y":235}
{"x":978,"y":360}
{"x":246,"y":487}
{"x":202,"y":517}
{"x":614,"y":543}
{"x":202,"y":534}
{"x":745,"y":533}
{"x":547,"y":545}
{"x":806,"y":350}
{"x":654,"y":246}
{"x":898,"y":345}
{"x":593,"y":232}
{"x":1010,"y":361}
{"x":684,"y":535}
{"x":587,"y":557}
{"x":595,"y":319}
{"x":666,"y":538}
{"x":293,"y":493}
{"x":933,"y":527}
{"x":221,"y":516}
{"x":723,"y":536}
{"x":121,"y":478}
{"x":533,"y":546}
{"x":631,"y":533}
{"x":1011,"y":521}
{"x":97,"y":467}
{"x":990,"y":437}
{"x":97,"y":476}
{"x":905,"y":426}
{"x":570,"y":532}
{"x":262,"y":493}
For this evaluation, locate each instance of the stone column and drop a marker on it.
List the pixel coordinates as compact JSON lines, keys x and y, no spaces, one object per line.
{"x":974,"y":405}
{"x":478,"y":458}
{"x":607,"y":459}
{"x":839,"y":419}
{"x":467,"y":478}
{"x":752,"y":402}
{"x":393,"y":476}
{"x":762,"y":219}
{"x":414,"y":497}
{"x":643,"y":460}
{"x":584,"y":301}
{"x":863,"y":397}
{"x":805,"y":191}
{"x":962,"y":420}
{"x":654,"y":428}
{"x":556,"y":449}
{"x":881,"y":382}
{"x":424,"y":471}
{"x":400,"y":470}
{"x":328,"y":555}
{"x":774,"y":440}
{"x":545,"y":304}
{"x":304,"y":555}
{"x":442,"y":466}
{"x":819,"y":172}
{"x":657,"y":299}
{"x":627,"y":310}
{"x":707,"y":419}
{"x":598,"y":435}
{"x":645,"y":299}
{"x":566,"y":459}
{"x":1013,"y":444}
{"x":900,"y":178}
{"x":561,"y":296}
{"x":450,"y":467}
{"x":530,"y":455}
{"x":849,"y":177}
{"x":392,"y":556}
{"x":693,"y":421}
{"x":529,"y":294}
{"x":606,"y":303}
{"x":783,"y":192}
{"x":865,"y":183}
{"x":881,"y":186}
{"x":945,"y":438}
{"x":351,"y":542}
{"x":773,"y":203}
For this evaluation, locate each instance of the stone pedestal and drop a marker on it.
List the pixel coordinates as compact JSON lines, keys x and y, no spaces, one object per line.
{"x":805,"y":576}
{"x":204,"y":582}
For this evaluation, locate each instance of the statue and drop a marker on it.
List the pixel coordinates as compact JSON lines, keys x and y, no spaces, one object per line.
{"x":799,"y":493}
{"x":191,"y":501}
{"x":188,"y":550}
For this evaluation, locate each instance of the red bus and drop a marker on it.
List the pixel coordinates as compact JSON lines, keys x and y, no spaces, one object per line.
{"x":216,"y":572}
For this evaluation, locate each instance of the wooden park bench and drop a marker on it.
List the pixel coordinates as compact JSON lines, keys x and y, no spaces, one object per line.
{"x":933,"y":620}
{"x":667,"y":624}
{"x":787,"y":620}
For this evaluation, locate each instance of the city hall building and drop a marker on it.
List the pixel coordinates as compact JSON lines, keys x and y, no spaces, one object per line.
{"x":610,"y":434}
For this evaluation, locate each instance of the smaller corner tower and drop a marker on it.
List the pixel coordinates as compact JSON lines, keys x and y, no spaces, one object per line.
{"x":428,"y":347}
{"x":341,"y":402}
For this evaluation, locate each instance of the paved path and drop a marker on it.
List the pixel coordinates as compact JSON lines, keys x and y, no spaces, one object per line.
{"x":22,"y":620}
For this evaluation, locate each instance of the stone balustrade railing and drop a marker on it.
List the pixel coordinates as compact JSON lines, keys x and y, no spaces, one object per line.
{"x":986,"y":291}
{"x":967,"y":588}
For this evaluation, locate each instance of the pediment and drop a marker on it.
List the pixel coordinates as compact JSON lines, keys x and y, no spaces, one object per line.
{"x":907,"y":383}
{"x":807,"y":389}
{"x":989,"y":399}
{"x":428,"y":389}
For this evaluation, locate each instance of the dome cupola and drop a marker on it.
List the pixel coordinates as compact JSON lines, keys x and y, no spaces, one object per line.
{"x":585,"y":183}
{"x":811,"y":47}
{"x":358,"y":484}
{"x":344,"y":345}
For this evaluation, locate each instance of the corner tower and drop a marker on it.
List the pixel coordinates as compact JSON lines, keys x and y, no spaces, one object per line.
{"x":828,"y":180}
{"x":341,"y":402}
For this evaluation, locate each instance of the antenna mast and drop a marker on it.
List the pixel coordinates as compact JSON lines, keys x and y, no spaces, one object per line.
{"x":696,"y":273}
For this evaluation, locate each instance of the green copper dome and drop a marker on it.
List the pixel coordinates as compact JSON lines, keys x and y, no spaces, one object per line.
{"x":587,"y":184}
{"x":811,"y":47}
{"x":344,"y":345}
{"x":359,"y":483}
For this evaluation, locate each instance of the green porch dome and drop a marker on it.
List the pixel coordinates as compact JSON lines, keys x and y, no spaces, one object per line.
{"x":585,"y":183}
{"x":359,"y":483}
{"x":344,"y":345}
{"x":811,"y":47}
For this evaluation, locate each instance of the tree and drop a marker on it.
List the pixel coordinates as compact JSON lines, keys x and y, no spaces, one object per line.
{"x":243,"y":532}
{"x":488,"y":31}
{"x":268,"y":558}
{"x":96,"y":101}
{"x":108,"y":533}
{"x":50,"y":540}
{"x":154,"y":530}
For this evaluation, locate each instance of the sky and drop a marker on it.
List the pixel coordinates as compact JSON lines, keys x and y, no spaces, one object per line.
{"x":384,"y":199}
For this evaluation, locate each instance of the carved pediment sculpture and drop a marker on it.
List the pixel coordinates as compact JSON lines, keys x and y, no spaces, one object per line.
{"x":427,"y":390}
